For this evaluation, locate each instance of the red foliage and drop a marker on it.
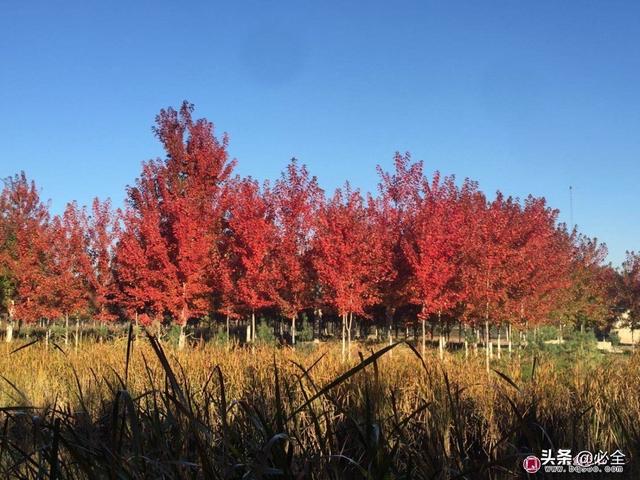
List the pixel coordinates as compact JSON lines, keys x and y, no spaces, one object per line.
{"x":295,"y":200}
{"x":486,"y":253}
{"x":252,"y":236}
{"x":192,"y":241}
{"x":432,"y":243}
{"x":102,"y":231}
{"x":144,"y":271}
{"x":539,"y":264}
{"x":349,"y":254}
{"x":399,"y":195}
{"x":25,"y":241}
{"x":70,"y":264}
{"x":174,"y":220}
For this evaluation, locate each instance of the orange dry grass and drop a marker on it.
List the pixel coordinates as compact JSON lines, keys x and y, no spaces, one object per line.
{"x":450,"y":412}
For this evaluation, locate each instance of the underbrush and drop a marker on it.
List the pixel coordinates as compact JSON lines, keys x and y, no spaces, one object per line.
{"x":141,"y":409}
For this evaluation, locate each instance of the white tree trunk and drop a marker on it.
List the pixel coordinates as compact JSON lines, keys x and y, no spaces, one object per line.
{"x":487,"y":348}
{"x":9,"y":337}
{"x":293,"y":330}
{"x":181,"y":338}
{"x":344,"y":336}
{"x":253,"y":327}
{"x":349,"y":335}
{"x":77,"y":339}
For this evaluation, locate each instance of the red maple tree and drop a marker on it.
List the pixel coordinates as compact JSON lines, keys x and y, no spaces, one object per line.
{"x":295,"y":200}
{"x":175,"y":217}
{"x":102,"y":232}
{"x":70,"y":266}
{"x":253,"y":235}
{"x":25,"y":240}
{"x":432,"y":244}
{"x":349,"y":257}
{"x":399,"y":194}
{"x":143,"y":269}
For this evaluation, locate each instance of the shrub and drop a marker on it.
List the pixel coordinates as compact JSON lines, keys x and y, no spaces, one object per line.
{"x":264,"y":333}
{"x":305,"y":331}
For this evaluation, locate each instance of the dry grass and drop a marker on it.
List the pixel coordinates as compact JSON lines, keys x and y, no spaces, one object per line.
{"x":212,"y":412}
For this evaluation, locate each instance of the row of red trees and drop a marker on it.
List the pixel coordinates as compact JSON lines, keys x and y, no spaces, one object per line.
{"x":194,"y":240}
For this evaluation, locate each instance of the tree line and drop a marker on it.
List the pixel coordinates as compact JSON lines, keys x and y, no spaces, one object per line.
{"x":195,"y":241}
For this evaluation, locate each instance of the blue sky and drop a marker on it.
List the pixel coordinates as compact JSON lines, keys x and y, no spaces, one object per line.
{"x":525,"y":97}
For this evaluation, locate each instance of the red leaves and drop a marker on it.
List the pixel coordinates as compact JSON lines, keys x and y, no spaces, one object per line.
{"x":432,"y":244}
{"x":169,"y":248}
{"x":252,"y":234}
{"x":24,"y":254}
{"x":102,"y":231}
{"x":349,"y":255}
{"x":70,"y":264}
{"x":192,"y":241}
{"x":295,"y":201}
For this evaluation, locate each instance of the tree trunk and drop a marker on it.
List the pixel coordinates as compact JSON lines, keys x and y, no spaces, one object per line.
{"x":499,"y":342}
{"x":466,"y":349}
{"x":181,"y":338}
{"x":509,"y":337}
{"x":441,"y":345}
{"x":486,"y":336}
{"x":77,"y":339}
{"x":424,"y":336}
{"x":248,"y":336}
{"x":560,"y":334}
{"x":293,"y":330}
{"x":344,"y":336}
{"x":253,"y":326}
{"x":228,"y":337}
{"x":316,"y":324}
{"x":349,"y":335}
{"x":66,"y":330}
{"x":9,"y":337}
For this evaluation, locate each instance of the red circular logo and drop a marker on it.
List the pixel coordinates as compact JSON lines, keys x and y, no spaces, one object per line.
{"x":531,"y":464}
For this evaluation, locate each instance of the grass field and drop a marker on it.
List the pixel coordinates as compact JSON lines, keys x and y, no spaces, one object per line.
{"x":142,"y":409}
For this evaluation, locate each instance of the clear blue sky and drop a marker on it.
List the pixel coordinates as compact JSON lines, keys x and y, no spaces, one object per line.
{"x":526,"y":97}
